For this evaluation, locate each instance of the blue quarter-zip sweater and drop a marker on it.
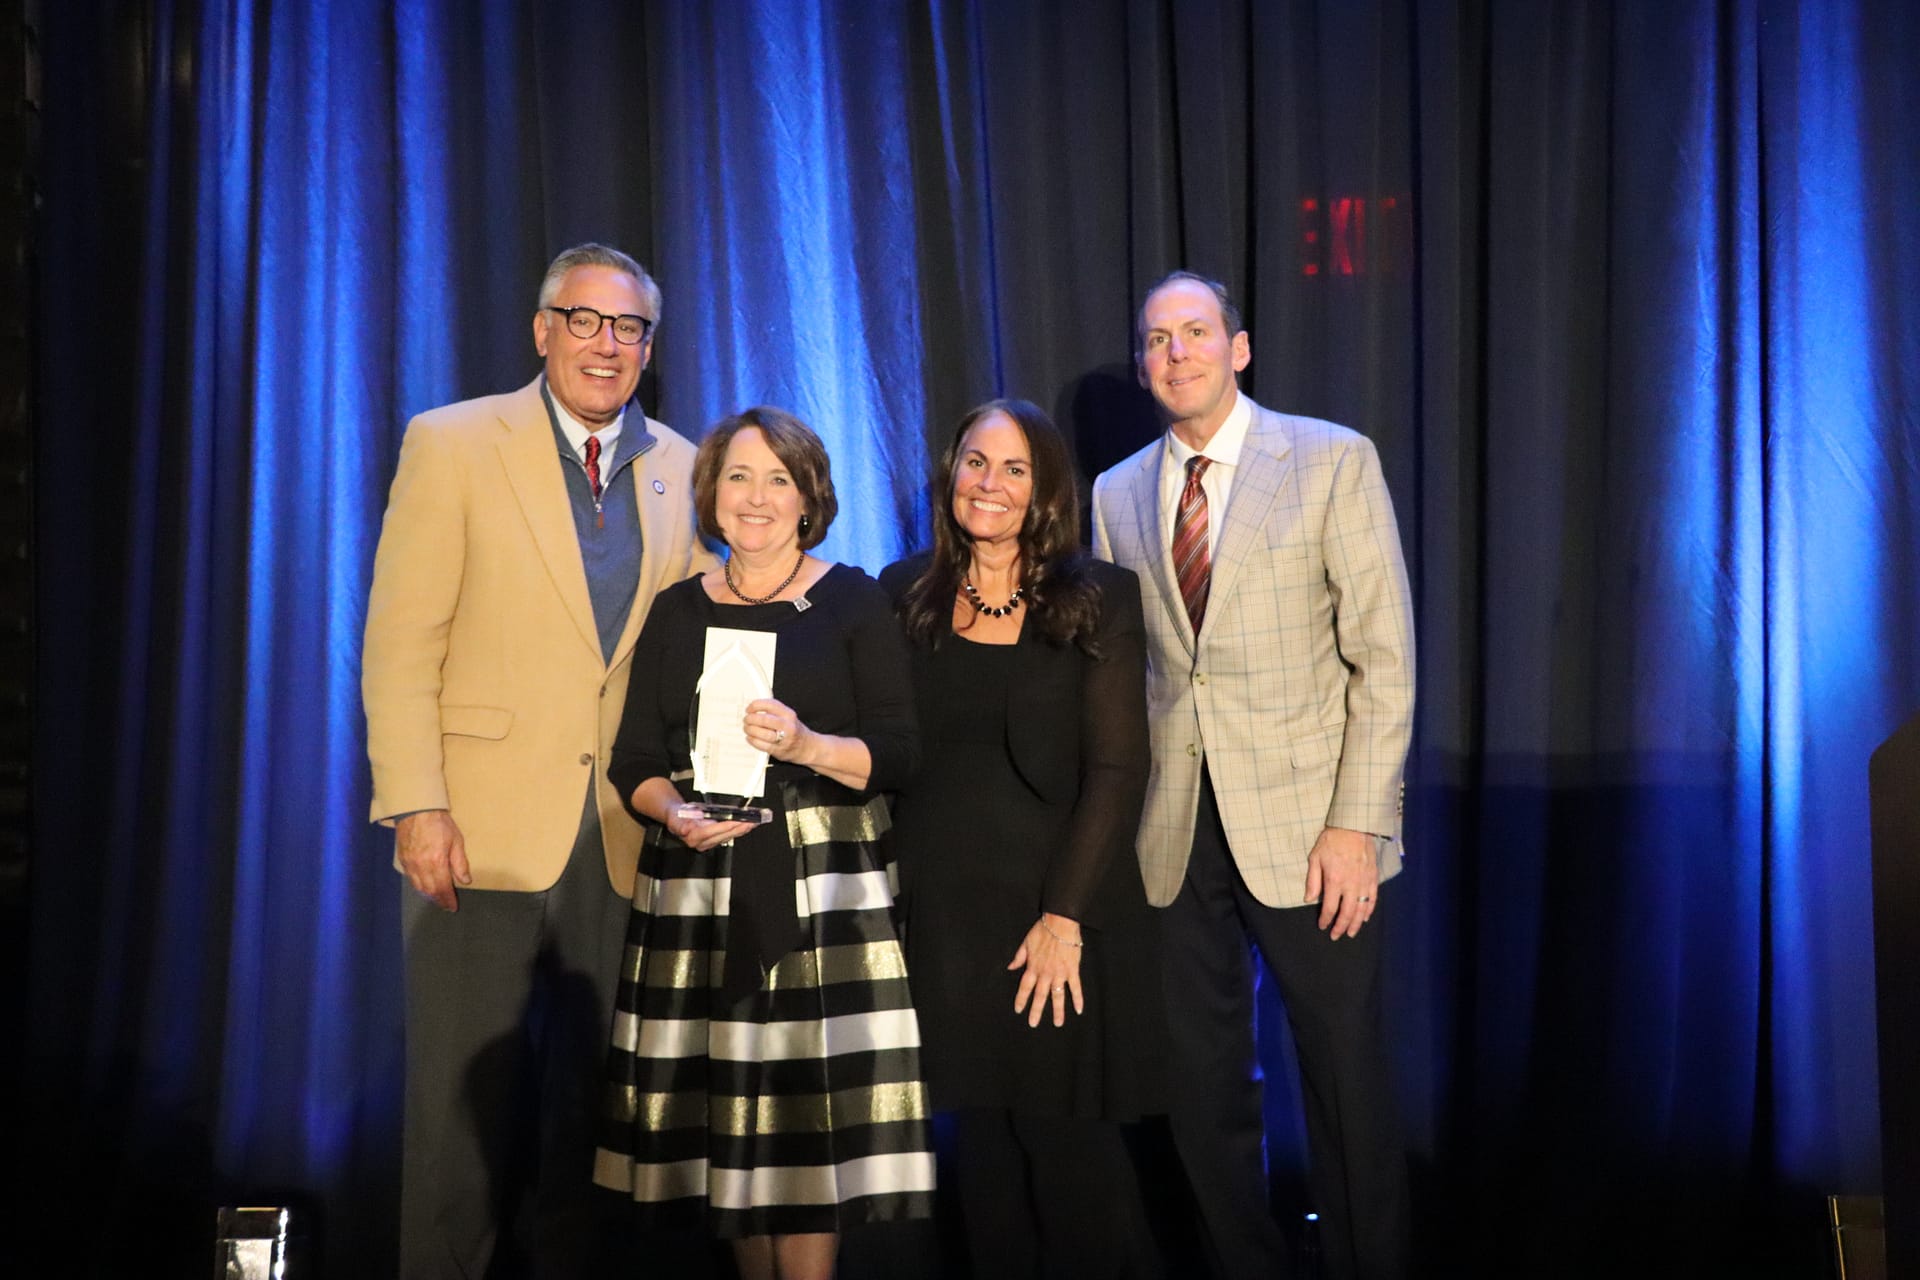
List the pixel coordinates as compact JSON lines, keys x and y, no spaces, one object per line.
{"x":612,"y":553}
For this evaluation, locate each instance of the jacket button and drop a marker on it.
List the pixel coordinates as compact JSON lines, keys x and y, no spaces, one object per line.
{"x":1200,"y":678}
{"x":586,"y":757}
{"x":1192,"y":750}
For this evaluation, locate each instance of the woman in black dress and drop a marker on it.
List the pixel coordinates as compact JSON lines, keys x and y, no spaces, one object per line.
{"x":1029,"y":936}
{"x":765,"y":1072}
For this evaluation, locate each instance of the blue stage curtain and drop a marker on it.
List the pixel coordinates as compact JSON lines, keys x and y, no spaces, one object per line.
{"x":1623,"y":293}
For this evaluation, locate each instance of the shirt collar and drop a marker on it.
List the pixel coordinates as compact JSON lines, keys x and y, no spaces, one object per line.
{"x":1224,"y":449}
{"x":576,"y":432}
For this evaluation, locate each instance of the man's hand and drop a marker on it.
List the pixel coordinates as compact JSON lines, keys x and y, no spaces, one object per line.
{"x":433,"y":853}
{"x":1344,"y":878}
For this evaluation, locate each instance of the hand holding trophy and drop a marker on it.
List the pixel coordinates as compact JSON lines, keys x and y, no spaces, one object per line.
{"x":738,"y":672}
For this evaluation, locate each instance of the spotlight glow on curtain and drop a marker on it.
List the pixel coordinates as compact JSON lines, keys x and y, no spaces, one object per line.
{"x":789,"y":233}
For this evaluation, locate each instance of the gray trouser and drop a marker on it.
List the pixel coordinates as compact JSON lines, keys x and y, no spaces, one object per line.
{"x":509,"y":1001}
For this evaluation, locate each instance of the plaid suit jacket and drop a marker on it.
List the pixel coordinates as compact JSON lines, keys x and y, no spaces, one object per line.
{"x":1298,"y":691}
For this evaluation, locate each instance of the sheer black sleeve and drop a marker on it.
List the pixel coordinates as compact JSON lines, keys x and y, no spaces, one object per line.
{"x":882,"y":687}
{"x":640,"y":747}
{"x":1114,"y":755}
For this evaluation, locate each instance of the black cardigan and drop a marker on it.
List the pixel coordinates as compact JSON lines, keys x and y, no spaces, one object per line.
{"x":1077,"y":730}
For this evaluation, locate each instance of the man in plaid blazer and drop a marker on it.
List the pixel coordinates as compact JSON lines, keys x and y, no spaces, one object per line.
{"x":1280,"y":697}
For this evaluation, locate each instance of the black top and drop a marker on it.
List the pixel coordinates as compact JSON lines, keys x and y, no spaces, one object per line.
{"x":1028,"y":800}
{"x":839,"y":664}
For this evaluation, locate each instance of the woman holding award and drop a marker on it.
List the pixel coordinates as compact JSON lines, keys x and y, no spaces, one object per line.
{"x":1033,"y":949}
{"x":765,"y":1067}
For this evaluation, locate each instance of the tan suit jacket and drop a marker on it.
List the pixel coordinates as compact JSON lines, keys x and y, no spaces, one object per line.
{"x":485,"y":688}
{"x":1298,"y":691}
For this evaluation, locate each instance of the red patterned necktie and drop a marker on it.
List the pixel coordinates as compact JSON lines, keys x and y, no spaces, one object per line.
{"x":1192,"y":566}
{"x":593,"y":478}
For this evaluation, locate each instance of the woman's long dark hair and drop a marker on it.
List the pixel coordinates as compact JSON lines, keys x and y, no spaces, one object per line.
{"x":1053,"y":565}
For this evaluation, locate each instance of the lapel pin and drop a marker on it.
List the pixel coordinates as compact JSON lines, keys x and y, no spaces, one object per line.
{"x":659,"y":486}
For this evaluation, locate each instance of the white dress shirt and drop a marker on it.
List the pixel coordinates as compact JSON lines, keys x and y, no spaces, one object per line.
{"x":576,"y":433}
{"x":1223,"y":451}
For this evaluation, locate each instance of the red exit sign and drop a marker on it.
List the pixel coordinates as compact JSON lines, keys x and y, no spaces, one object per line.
{"x":1355,"y":235}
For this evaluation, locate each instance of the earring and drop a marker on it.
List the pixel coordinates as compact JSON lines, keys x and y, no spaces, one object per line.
{"x":806,"y":522}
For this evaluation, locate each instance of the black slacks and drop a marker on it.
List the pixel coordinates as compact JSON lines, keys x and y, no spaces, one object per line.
{"x":1358,"y":1171}
{"x":509,"y":1002}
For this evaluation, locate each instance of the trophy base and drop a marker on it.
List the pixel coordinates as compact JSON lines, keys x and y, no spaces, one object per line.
{"x":711,"y":812}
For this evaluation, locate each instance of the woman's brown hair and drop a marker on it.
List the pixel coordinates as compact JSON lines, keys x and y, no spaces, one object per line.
{"x":799,"y":451}
{"x":1053,"y":565}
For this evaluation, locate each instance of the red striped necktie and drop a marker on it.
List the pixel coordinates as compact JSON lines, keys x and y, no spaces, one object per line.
{"x":1192,"y":566}
{"x":593,"y":478}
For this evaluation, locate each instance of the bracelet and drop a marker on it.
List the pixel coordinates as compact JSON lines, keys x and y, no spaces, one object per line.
{"x":1065,"y":942}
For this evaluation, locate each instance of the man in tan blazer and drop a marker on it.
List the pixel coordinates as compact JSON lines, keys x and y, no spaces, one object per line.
{"x":525,"y":536}
{"x":1280,"y":702}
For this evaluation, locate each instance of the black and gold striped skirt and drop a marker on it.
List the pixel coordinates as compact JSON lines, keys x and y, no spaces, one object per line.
{"x":800,"y":1108}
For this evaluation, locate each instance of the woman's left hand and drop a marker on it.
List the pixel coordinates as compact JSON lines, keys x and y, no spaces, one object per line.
{"x":772,"y":727}
{"x":1053,"y":969}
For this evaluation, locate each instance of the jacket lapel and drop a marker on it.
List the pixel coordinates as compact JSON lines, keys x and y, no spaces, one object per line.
{"x":532,"y":465}
{"x":1042,"y":701}
{"x":1257,"y":482}
{"x":653,"y":533}
{"x":1158,"y":538}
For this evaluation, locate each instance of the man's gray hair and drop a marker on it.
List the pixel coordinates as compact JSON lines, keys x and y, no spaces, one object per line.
{"x":599,"y":255}
{"x":1229,"y":313}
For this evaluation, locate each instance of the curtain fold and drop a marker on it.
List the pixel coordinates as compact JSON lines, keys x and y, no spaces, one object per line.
{"x":1624,"y":296}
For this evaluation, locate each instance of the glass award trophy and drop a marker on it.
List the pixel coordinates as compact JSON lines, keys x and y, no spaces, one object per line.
{"x":738,"y":668}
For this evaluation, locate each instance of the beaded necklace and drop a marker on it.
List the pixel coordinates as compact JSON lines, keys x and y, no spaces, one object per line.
{"x":727,"y":572}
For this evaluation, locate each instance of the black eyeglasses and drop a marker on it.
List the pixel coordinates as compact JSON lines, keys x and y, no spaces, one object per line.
{"x":585,"y":322}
